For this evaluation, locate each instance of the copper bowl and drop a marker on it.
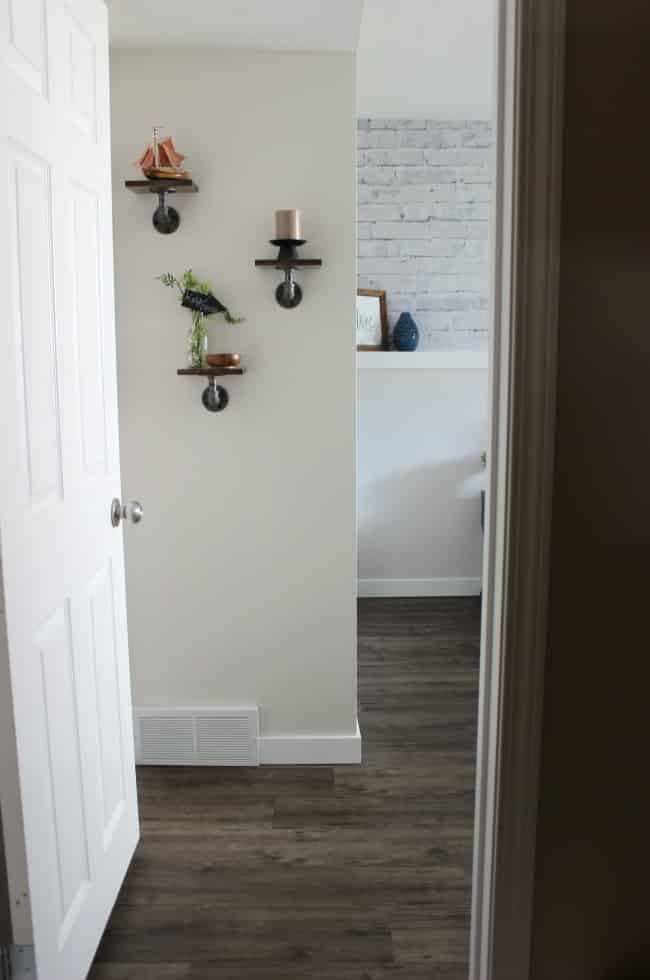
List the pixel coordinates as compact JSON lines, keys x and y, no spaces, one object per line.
{"x":223,"y":360}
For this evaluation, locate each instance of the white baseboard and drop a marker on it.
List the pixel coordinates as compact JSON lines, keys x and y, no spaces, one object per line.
{"x":230,"y":737}
{"x":400,"y":588}
{"x":305,"y":750}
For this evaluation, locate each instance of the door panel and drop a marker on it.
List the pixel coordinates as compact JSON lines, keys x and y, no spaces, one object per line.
{"x":63,"y":563}
{"x":61,"y":734}
{"x":80,"y":74}
{"x":30,"y":210}
{"x":27,"y":52}
{"x":85,"y":263}
{"x":109,"y":720}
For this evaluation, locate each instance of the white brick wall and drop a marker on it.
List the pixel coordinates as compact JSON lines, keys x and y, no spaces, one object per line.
{"x":424,"y":207}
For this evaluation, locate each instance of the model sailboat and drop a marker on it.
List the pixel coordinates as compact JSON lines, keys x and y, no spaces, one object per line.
{"x":161,"y":159}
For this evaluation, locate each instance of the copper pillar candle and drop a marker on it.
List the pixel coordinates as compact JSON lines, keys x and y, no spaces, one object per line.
{"x":287,"y":225}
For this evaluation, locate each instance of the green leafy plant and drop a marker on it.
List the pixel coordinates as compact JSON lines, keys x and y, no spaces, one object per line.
{"x":192,"y":285}
{"x":189,"y":281}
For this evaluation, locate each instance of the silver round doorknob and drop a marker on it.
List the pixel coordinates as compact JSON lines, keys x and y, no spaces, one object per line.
{"x":133,"y":511}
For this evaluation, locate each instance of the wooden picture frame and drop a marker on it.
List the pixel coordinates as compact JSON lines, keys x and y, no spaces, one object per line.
{"x":382,"y":325}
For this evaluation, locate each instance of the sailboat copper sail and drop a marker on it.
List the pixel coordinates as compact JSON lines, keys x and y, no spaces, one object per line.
{"x":162,"y":160}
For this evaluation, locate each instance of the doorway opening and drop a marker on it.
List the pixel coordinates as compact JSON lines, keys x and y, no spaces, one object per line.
{"x":425,"y":180}
{"x":369,"y":866}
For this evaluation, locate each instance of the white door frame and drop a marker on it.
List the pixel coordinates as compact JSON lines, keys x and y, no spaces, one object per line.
{"x":523,"y":367}
{"x":529,"y":123}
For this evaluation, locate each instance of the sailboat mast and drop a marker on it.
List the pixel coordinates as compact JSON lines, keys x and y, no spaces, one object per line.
{"x":156,"y":153}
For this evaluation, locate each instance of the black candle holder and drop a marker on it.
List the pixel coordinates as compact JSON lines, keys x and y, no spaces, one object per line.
{"x":288,"y":248}
{"x":288,"y":293}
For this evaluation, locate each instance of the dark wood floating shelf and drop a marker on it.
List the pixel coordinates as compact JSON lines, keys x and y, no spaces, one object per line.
{"x":214,"y":398}
{"x":289,"y":263}
{"x":156,"y":185}
{"x":211,"y":372}
{"x":288,"y":293}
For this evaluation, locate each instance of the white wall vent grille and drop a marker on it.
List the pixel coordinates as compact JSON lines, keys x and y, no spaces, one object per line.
{"x":197,"y":736}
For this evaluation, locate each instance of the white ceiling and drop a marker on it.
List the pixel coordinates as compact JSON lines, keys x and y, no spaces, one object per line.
{"x":416,"y":57}
{"x":302,"y":25}
{"x":426,"y":58}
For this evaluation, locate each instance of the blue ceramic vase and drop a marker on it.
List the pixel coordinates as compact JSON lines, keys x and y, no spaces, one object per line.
{"x":406,"y":334}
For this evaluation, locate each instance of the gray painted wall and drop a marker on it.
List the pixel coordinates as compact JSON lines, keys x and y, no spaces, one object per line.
{"x":424,"y":208}
{"x":244,"y":501}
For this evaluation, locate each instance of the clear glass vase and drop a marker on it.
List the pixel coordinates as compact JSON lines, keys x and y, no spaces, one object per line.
{"x":197,"y":341}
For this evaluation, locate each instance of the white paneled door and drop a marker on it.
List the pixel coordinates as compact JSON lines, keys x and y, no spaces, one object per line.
{"x":67,"y":777}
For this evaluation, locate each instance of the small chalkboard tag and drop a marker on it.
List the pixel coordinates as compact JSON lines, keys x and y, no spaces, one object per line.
{"x":204,"y":303}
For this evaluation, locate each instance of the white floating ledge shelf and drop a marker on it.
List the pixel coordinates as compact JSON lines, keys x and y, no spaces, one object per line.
{"x":422,"y":360}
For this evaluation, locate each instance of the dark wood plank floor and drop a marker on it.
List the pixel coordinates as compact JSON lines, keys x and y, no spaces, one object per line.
{"x":335,"y":873}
